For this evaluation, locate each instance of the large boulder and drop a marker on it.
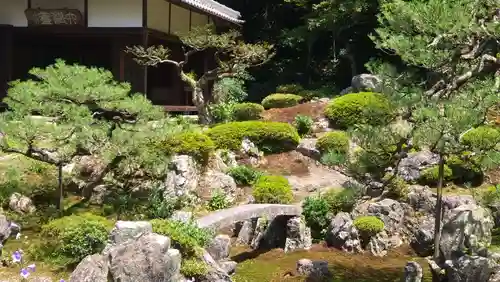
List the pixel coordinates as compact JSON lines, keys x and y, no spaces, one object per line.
{"x":219,"y":181}
{"x":298,"y":235}
{"x":148,"y":258}
{"x":313,"y":269}
{"x":411,"y":166}
{"x":467,"y":228}
{"x":422,"y":235}
{"x":390,"y":211}
{"x":126,"y":231}
{"x":307,"y":147}
{"x":220,"y":247}
{"x":470,"y":268}
{"x":182,"y":177}
{"x":421,"y":199}
{"x":21,"y":204}
{"x":413,"y":272}
{"x":342,"y":234}
{"x":366,"y":82}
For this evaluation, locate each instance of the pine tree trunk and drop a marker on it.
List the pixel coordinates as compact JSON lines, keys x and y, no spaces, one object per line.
{"x":439,"y":205}
{"x":60,"y":204}
{"x":201,"y":104}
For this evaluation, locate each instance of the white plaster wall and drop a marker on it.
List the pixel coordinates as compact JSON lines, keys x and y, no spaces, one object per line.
{"x":158,"y":15}
{"x":12,"y":12}
{"x":180,"y":20}
{"x":58,"y":4}
{"x":198,"y":19}
{"x":114,"y":13}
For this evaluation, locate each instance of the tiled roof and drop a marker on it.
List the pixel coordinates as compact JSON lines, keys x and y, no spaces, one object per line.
{"x":215,"y":8}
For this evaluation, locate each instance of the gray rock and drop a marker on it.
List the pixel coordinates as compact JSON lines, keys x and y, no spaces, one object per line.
{"x":307,"y":147}
{"x":321,"y":125}
{"x":421,"y":198}
{"x":341,"y":234}
{"x":259,"y":233}
{"x":228,"y":266}
{"x":148,"y":259}
{"x":422,"y":239}
{"x":313,"y":269}
{"x":220,"y":247}
{"x":182,"y":178}
{"x":5,"y":228}
{"x":413,"y":272}
{"x":391,"y":212}
{"x":218,"y":181}
{"x":183,"y":216}
{"x":347,"y":90}
{"x":41,"y":279}
{"x":366,"y":82}
{"x":453,"y":201}
{"x":215,"y":272}
{"x":21,"y":204}
{"x":467,"y":228}
{"x":298,"y":235}
{"x":246,"y":232}
{"x":495,"y":277}
{"x":93,"y":268}
{"x":382,"y":242}
{"x":125,"y":231}
{"x":250,"y":151}
{"x":411,"y":166}
{"x":99,"y":194}
{"x":470,"y":268}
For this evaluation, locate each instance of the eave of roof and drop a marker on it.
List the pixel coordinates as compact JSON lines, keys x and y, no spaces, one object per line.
{"x":216,"y":9}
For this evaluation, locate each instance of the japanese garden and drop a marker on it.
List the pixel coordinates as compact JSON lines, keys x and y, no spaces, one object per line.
{"x":279,"y":140}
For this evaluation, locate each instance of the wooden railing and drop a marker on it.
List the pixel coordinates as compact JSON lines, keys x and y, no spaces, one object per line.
{"x":180,"y":108}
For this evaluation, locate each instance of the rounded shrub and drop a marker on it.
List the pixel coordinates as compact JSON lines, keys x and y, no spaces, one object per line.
{"x":359,"y":108}
{"x":335,"y":141}
{"x":290,"y":88}
{"x":272,"y":189}
{"x":195,"y":144}
{"x":244,"y":175}
{"x":369,"y":225}
{"x":481,"y":138}
{"x":68,"y":240}
{"x":247,"y":111}
{"x":279,"y":100}
{"x":269,"y":136}
{"x":316,"y":212}
{"x":430,"y":175}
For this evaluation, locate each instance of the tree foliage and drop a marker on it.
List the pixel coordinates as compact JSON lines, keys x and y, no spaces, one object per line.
{"x":233,"y":57}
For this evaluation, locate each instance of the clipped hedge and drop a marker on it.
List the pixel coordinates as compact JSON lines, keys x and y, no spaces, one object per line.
{"x":359,"y":108}
{"x":280,"y":100}
{"x":272,"y":189}
{"x":195,"y":144}
{"x":335,"y":141}
{"x":430,"y":175}
{"x":481,"y":138}
{"x":369,"y":225}
{"x":247,"y":111}
{"x":269,"y":136}
{"x":68,"y":240}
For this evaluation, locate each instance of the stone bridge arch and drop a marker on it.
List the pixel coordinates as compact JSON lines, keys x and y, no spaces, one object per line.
{"x":225,"y":218}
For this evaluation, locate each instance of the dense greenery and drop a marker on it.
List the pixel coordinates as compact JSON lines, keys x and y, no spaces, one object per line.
{"x":272,"y":189}
{"x":68,"y":240}
{"x":268,"y":136}
{"x":247,"y":111}
{"x":303,"y":124}
{"x":195,"y":144}
{"x":359,"y":108}
{"x":280,"y":100}
{"x":335,"y":141}
{"x":244,"y":175}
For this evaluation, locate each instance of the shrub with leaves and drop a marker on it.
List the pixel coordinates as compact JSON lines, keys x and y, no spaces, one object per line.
{"x":317,"y":214}
{"x":303,"y":124}
{"x":279,"y":100}
{"x":490,"y":196}
{"x":247,"y":111}
{"x":481,"y":138}
{"x":68,"y":240}
{"x":268,"y":136}
{"x":336,"y":141}
{"x":195,"y":144}
{"x":160,"y":207}
{"x":465,"y":169}
{"x":341,"y":199}
{"x":333,"y":158}
{"x":244,"y":175}
{"x":193,"y":268}
{"x":396,"y":187}
{"x":289,"y":88}
{"x":186,"y":236}
{"x":272,"y":189}
{"x":430,"y":176}
{"x":359,"y":108}
{"x":218,"y":201}
{"x":369,"y":225}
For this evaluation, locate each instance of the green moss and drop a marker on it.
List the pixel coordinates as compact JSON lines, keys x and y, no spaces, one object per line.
{"x":272,"y":189}
{"x":195,"y":144}
{"x":247,"y":111}
{"x":336,"y":141}
{"x":193,"y":268}
{"x":280,"y":100}
{"x":268,"y":136}
{"x":369,"y":225}
{"x":359,"y":108}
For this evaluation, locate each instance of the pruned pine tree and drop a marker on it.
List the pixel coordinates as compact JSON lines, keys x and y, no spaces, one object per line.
{"x":233,"y":58}
{"x":69,"y":111}
{"x":455,"y":44}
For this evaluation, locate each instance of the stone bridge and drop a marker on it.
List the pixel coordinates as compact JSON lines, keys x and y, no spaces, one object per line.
{"x":224,"y":218}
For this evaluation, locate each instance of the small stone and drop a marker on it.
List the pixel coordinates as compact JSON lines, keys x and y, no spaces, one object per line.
{"x":309,"y":268}
{"x":182,"y":216}
{"x":413,"y":272}
{"x":21,"y":204}
{"x":228,"y":266}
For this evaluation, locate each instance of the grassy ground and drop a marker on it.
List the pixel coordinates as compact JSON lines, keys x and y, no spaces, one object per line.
{"x":275,"y":265}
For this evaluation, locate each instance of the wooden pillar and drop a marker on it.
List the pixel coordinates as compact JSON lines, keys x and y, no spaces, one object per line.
{"x":6,"y":41}
{"x":145,"y":41}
